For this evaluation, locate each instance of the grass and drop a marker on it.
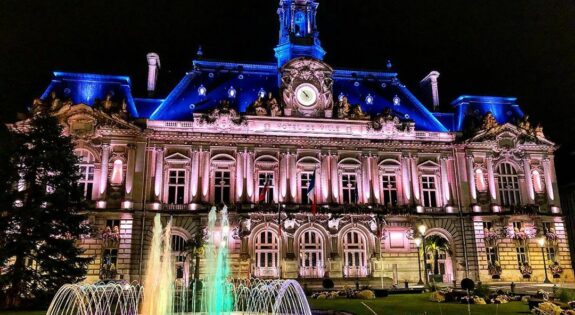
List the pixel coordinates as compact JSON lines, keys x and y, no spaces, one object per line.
{"x":415,"y":304}
{"x":22,"y":312}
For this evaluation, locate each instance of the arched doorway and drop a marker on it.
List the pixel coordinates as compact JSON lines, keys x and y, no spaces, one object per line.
{"x":266,"y":253}
{"x":438,"y":253}
{"x":311,"y":254}
{"x":354,"y":254}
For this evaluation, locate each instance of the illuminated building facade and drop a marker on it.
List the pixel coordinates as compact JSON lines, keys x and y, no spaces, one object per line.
{"x":253,"y":136}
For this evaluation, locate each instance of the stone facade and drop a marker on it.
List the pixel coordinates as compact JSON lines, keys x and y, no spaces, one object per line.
{"x":382,"y":167}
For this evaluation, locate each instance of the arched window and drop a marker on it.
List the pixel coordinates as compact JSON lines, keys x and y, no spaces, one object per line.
{"x":86,"y":169}
{"x":117,"y":173}
{"x":508,"y":185}
{"x":178,"y":244}
{"x":311,"y":260}
{"x":354,"y":254}
{"x":266,"y":250}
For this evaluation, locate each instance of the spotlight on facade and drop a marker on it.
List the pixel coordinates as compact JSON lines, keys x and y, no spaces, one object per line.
{"x":156,"y":206}
{"x":396,"y":100}
{"x":496,"y":208}
{"x":555,"y":209}
{"x":476,"y":208}
{"x":127,"y":204}
{"x":101,"y":204}
{"x":262,"y":93}
{"x":232,"y":92}
{"x":202,"y":90}
{"x":369,"y":99}
{"x":419,"y":209}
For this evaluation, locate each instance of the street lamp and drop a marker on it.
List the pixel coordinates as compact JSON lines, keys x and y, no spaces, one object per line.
{"x":422,"y":229}
{"x":417,"y":241}
{"x":541,"y":242}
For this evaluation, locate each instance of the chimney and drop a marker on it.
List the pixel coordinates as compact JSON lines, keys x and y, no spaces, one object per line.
{"x":431,"y":79}
{"x":153,"y":67}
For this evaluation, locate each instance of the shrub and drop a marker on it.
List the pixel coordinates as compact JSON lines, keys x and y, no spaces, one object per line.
{"x":365,"y":295}
{"x":482,"y":291}
{"x":327,"y":283}
{"x":437,"y":296}
{"x":565,"y":295}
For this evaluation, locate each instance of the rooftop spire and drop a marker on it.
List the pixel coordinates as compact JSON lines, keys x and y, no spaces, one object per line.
{"x":298,"y":35}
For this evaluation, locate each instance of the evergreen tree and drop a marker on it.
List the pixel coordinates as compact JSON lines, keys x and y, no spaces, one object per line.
{"x":42,"y":217}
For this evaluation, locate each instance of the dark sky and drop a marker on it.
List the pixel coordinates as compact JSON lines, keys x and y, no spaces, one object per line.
{"x":522,"y":48}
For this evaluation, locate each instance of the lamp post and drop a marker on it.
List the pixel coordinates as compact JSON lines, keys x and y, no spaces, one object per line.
{"x":422,"y":229}
{"x":541,"y":242}
{"x":418,"y":244}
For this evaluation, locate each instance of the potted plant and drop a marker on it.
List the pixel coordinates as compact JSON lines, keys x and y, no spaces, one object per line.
{"x":556,"y":269}
{"x":495,"y":270}
{"x":526,"y":270}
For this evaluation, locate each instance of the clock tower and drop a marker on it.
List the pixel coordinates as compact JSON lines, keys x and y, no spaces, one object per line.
{"x":298,"y":35}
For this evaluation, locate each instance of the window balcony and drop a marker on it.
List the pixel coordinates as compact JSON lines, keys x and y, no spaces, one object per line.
{"x":311,"y":272}
{"x":266,"y":272}
{"x":355,"y":271}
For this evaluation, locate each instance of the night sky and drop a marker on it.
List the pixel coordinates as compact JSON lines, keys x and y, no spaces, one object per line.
{"x":522,"y":48}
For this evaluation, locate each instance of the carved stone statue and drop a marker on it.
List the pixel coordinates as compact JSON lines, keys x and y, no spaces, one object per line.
{"x":272,"y":103}
{"x":259,"y":107}
{"x":524,"y":123}
{"x":489,"y":122}
{"x":37,"y":106}
{"x":107,"y":104}
{"x":343,"y":108}
{"x":55,"y":102}
{"x":538,"y":131}
{"x":357,"y":113}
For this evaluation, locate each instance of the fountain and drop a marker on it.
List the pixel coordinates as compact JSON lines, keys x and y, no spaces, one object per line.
{"x":161,"y":295}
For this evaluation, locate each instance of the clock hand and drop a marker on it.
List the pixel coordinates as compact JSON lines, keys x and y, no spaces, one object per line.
{"x":304,"y":93}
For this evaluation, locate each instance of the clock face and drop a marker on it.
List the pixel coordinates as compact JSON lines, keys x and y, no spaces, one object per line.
{"x":306,"y":94}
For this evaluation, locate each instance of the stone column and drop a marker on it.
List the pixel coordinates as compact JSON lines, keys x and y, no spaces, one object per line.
{"x":415,"y":180}
{"x":292,"y":175}
{"x":239,"y":176}
{"x":528,"y":180}
{"x":445,"y":181}
{"x":334,"y":177}
{"x":471,"y":175}
{"x":405,"y":179}
{"x":491,"y":179}
{"x":194,"y":175}
{"x":130,"y":168}
{"x":323,"y":175}
{"x":159,"y":174}
{"x":366,"y":178}
{"x":104,"y":170}
{"x":548,"y":179}
{"x":375,"y":180}
{"x":206,"y":168}
{"x":282,"y":182}
{"x":249,"y":157}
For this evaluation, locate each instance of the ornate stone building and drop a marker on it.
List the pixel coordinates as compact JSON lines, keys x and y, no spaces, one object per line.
{"x":253,"y":137}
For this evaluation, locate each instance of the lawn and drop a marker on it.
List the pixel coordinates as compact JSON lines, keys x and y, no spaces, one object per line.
{"x":22,"y":312}
{"x":415,"y":304}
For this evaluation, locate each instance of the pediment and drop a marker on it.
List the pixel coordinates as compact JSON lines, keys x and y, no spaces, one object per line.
{"x":508,"y":136}
{"x":428,"y":164}
{"x":177,"y":158}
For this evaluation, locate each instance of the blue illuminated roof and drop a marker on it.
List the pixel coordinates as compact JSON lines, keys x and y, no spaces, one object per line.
{"x":86,"y":88}
{"x":249,"y":79}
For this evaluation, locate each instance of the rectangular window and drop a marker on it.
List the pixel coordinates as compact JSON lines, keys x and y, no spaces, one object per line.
{"x":429,"y":191}
{"x":551,"y":254}
{"x":86,"y":181}
{"x":487,"y":225}
{"x":305,"y":178}
{"x":113,"y":223}
{"x":521,"y":255}
{"x":110,"y":256}
{"x":222,"y":187}
{"x":349,"y":188}
{"x":492,"y":256}
{"x":176,"y":186}
{"x":547,"y":226}
{"x":517,"y":225}
{"x":266,"y":179}
{"x":389,"y":192}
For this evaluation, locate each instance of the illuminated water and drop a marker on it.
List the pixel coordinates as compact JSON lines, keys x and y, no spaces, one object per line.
{"x":162,"y":295}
